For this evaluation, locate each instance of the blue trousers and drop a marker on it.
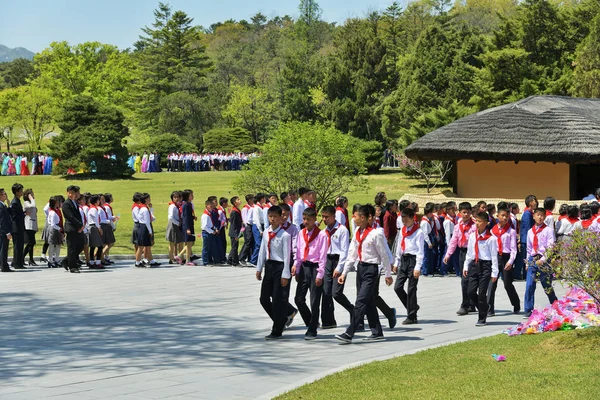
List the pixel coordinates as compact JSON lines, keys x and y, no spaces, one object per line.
{"x":534,"y":273}
{"x":441,"y":252}
{"x":257,"y":240}
{"x":452,"y":264}
{"x":429,"y":259}
{"x":208,"y":248}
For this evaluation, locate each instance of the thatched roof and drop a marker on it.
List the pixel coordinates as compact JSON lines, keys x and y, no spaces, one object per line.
{"x":538,"y":128}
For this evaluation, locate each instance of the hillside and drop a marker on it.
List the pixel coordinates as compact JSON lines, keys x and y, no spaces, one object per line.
{"x":8,"y":54}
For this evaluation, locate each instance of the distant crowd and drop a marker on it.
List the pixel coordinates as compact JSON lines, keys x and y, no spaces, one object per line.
{"x":188,"y":162}
{"x":18,"y":164}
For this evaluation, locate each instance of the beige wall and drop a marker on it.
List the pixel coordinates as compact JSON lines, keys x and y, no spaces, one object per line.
{"x":506,"y":179}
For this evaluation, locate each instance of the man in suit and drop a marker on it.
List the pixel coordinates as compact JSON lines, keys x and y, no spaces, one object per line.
{"x":18,"y":226}
{"x":73,"y":225}
{"x":5,"y":232}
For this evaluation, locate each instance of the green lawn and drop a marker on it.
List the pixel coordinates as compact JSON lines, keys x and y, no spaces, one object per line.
{"x":556,"y":365}
{"x":161,"y":185}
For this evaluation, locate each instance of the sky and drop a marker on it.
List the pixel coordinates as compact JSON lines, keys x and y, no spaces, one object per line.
{"x":34,"y":24}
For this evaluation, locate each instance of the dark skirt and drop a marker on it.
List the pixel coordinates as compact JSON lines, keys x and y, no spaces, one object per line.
{"x":174,"y":234}
{"x":143,"y":236}
{"x":95,"y":237}
{"x":55,"y":237}
{"x":29,"y":237}
{"x":108,"y":236}
{"x":44,"y":236}
{"x":134,"y":231}
{"x":188,"y":238}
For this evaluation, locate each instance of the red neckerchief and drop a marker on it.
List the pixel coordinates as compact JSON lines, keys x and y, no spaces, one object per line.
{"x":464,"y":229}
{"x":406,"y":233}
{"x":479,"y":238}
{"x":562,"y":217}
{"x":345,"y":212}
{"x":498,"y":232}
{"x":60,"y":218}
{"x":135,"y":205}
{"x":272,"y":235}
{"x":376,"y":224}
{"x":247,"y":206}
{"x":449,"y":218}
{"x":178,"y":206}
{"x":84,"y":216}
{"x":307,"y":240}
{"x":526,"y":209}
{"x":309,"y":204}
{"x":548,"y":213}
{"x":330,"y":234}
{"x":206,"y":212}
{"x":573,"y":220}
{"x":360,"y":238}
{"x":586,"y":223}
{"x":237,"y":210}
{"x":104,"y":211}
{"x":111,"y":210}
{"x":535,"y":236}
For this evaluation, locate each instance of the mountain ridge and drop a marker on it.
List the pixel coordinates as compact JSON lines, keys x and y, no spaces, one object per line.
{"x":7,"y":54}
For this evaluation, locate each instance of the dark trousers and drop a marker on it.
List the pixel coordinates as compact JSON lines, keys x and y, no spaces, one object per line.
{"x":443,"y":268}
{"x":508,"y":278}
{"x":519,"y":267}
{"x":75,"y":243}
{"x":233,"y":253}
{"x":428,"y":257}
{"x":327,"y":310}
{"x":18,"y":239}
{"x":248,"y":245}
{"x":306,"y":283}
{"x":341,"y":299}
{"x":223,"y":243}
{"x":4,"y":253}
{"x":208,"y":248}
{"x":464,"y":281}
{"x":479,"y":277}
{"x":273,"y":296}
{"x":409,"y":297}
{"x":368,"y":276}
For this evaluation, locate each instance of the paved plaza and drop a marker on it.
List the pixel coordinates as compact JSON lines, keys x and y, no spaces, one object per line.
{"x":191,"y":333}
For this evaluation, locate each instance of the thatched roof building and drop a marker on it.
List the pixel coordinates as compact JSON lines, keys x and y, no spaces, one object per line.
{"x":545,"y":145}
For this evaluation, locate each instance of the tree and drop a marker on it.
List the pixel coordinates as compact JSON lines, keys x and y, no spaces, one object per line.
{"x":303,"y":154}
{"x":228,"y":140}
{"x":90,"y":131}
{"x":252,"y":109}
{"x":586,"y":78}
{"x":432,"y":173}
{"x":15,"y":73}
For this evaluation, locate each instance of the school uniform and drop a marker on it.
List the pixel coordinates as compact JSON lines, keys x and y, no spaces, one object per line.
{"x":235,"y":232}
{"x":274,"y":257}
{"x":5,"y":230}
{"x":410,"y":253}
{"x":56,"y":236}
{"x":460,"y":240}
{"x":135,"y":208}
{"x":187,"y":222}
{"x":427,"y":227}
{"x":257,"y":231}
{"x":144,"y":228}
{"x":94,"y":222}
{"x":341,"y":216}
{"x":506,"y":239}
{"x":369,"y":248}
{"x":222,"y":233}
{"x":539,"y":239}
{"x":311,"y":257}
{"x":481,"y":265}
{"x":299,"y":207}
{"x":389,"y":227}
{"x":452,"y":265}
{"x":293,"y":231}
{"x":441,"y":244}
{"x":526,"y":223}
{"x":566,"y":228}
{"x":208,"y":239}
{"x":174,"y":234}
{"x":83,"y":210}
{"x":246,"y":251}
{"x":549,"y":221}
{"x":108,"y":236}
{"x":338,"y":240}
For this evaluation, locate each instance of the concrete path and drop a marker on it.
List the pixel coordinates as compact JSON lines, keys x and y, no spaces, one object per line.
{"x":189,"y":333}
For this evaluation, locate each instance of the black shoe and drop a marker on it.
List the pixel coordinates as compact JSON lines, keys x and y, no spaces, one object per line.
{"x":194,"y":257}
{"x":32,"y":263}
{"x":462,"y":311}
{"x":310,"y":336}
{"x":154,"y":264}
{"x":20,"y":267}
{"x":393,"y":321}
{"x":361,"y":328}
{"x":74,"y":271}
{"x":481,"y":322}
{"x":491,"y":313}
{"x":52,"y":265}
{"x":344,"y":337}
{"x":332,"y":326}
{"x":7,"y":270}
{"x":104,"y":263}
{"x":290,"y":319}
{"x":516,"y":310}
{"x":374,"y":338}
{"x":140,"y":265}
{"x":272,"y":337}
{"x":527,"y":315}
{"x":409,"y":321}
{"x":79,"y":262}
{"x":110,"y":261}
{"x":472,"y":309}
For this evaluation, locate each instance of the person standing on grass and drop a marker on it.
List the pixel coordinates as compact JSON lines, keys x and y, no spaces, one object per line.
{"x":369,"y":248}
{"x":481,"y":265}
{"x":235,"y":230}
{"x":410,"y":253}
{"x":274,"y":257}
{"x":31,"y":225}
{"x":187,"y":228}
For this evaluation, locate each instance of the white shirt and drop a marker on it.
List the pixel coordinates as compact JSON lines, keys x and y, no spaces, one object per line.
{"x":244,"y":213}
{"x":134,"y":214}
{"x":340,"y":217}
{"x":488,"y":250}
{"x":144,"y":217}
{"x":448,"y":229}
{"x":249,"y":215}
{"x":293,"y":232}
{"x":265,"y":215}
{"x":297,"y":211}
{"x":413,"y":244}
{"x":374,"y":251}
{"x":47,"y":209}
{"x":257,"y":216}
{"x":93,"y":216}
{"x":206,"y":223}
{"x":565,"y":227}
{"x":280,"y":250}
{"x":53,"y":220}
{"x":339,"y":244}
{"x":173,"y":214}
{"x":549,"y":221}
{"x":426,"y":228}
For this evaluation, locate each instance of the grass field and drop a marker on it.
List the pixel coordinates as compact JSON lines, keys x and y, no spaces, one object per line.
{"x":160,"y":186}
{"x":556,"y":365}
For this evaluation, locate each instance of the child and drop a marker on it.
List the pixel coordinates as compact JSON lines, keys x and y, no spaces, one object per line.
{"x":174,"y":235}
{"x":460,"y":239}
{"x":368,"y":247}
{"x":567,"y":225}
{"x":45,"y":232}
{"x":481,"y":265}
{"x":427,"y":226}
{"x":246,"y":252}
{"x":311,"y":257}
{"x":108,"y":227}
{"x":208,"y":235}
{"x":55,"y":232}
{"x":299,"y":207}
{"x":341,"y":212}
{"x":274,"y":256}
{"x":549,"y":204}
{"x":539,"y":239}
{"x":257,"y":225}
{"x":222,"y":212}
{"x":31,"y":226}
{"x":390,"y":229}
{"x":292,"y":230}
{"x":448,"y":223}
{"x":235,"y":230}
{"x":409,"y":260}
{"x":506,"y":238}
{"x":145,"y":233}
{"x":337,"y":250}
{"x":135,"y":208}
{"x":95,"y":229}
{"x":84,"y":209}
{"x":491,"y":211}
{"x":5,"y":232}
{"x":441,"y":243}
{"x":562,"y":214}
{"x":187,"y":228}
{"x":586,"y":218}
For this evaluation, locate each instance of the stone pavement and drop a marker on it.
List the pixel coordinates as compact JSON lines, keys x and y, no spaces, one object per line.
{"x":190,"y":333}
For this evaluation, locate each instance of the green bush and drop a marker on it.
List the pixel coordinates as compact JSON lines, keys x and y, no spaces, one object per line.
{"x":228,"y":140}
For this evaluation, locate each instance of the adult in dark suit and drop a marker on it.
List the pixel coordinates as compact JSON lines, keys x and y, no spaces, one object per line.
{"x":235,"y":230}
{"x":73,"y":226}
{"x":5,"y":232}
{"x":18,"y":226}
